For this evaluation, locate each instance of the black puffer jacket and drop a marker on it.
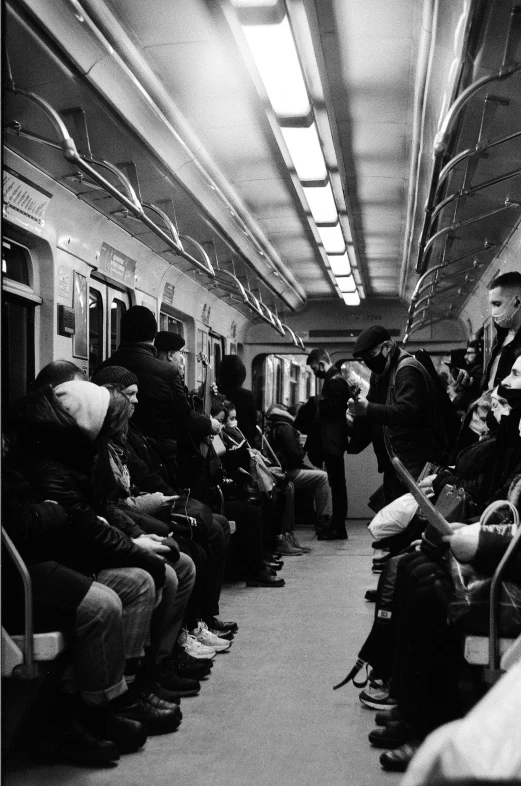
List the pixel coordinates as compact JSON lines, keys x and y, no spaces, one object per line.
{"x":164,"y":410}
{"x":60,"y":471}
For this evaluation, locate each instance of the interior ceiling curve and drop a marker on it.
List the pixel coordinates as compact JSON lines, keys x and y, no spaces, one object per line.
{"x":366,"y":66}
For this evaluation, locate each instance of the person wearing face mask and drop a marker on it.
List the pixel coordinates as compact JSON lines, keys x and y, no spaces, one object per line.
{"x":332,"y":408}
{"x":399,"y":404}
{"x":505,"y":308}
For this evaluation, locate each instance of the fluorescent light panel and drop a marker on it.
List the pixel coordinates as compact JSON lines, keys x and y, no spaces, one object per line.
{"x":340,"y":264}
{"x":351,"y":298}
{"x":254,"y":3}
{"x":321,"y":203}
{"x":346,"y":283}
{"x":306,"y":152}
{"x":275,"y":55}
{"x":332,"y":239}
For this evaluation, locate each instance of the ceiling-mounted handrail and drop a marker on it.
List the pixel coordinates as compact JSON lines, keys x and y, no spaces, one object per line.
{"x":130,"y":203}
{"x":208,"y":268}
{"x":422,"y":324}
{"x":270,"y":316}
{"x":469,"y":191}
{"x":475,"y":266}
{"x":278,"y":323}
{"x":486,"y":246}
{"x":234,"y":278}
{"x":441,"y":142}
{"x":296,"y":339}
{"x":440,"y":292}
{"x":480,"y":147}
{"x":507,"y":204}
{"x":168,"y":221}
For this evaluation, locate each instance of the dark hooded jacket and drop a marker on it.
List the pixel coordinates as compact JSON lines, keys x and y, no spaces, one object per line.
{"x":507,"y":358}
{"x":285,"y":441}
{"x":232,"y":373}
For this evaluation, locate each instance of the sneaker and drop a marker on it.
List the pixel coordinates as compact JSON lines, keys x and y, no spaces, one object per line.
{"x":208,"y":639}
{"x":168,"y":678}
{"x":376,"y":696}
{"x":295,"y":542}
{"x":263,"y":579}
{"x":194,"y":648}
{"x":332,"y":534}
{"x":286,"y":548}
{"x":187,"y":666}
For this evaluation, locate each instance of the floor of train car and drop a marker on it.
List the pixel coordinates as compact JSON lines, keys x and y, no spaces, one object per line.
{"x":268,"y":714}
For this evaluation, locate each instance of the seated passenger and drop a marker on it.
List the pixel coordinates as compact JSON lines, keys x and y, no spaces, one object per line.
{"x":284,"y":439}
{"x":195,"y":527}
{"x":64,"y":432}
{"x":58,"y":371}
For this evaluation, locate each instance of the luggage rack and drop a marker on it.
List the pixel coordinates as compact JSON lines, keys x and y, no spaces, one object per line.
{"x":458,"y":210}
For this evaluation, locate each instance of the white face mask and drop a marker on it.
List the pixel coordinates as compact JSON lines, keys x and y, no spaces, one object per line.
{"x":505,"y":319}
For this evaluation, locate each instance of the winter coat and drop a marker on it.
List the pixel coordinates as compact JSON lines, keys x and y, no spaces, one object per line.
{"x":332,"y":408}
{"x":285,"y":441}
{"x":164,"y":410}
{"x":232,"y":373}
{"x":408,"y":416}
{"x":61,"y":471}
{"x":507,"y":357}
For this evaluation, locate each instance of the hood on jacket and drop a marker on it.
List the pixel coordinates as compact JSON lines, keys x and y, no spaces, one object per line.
{"x":232,"y":372}
{"x":86,"y":403}
{"x":277,"y":412}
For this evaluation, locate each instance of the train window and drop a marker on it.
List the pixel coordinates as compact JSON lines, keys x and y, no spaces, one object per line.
{"x":18,"y":310}
{"x":309,"y":385}
{"x":17,"y":347}
{"x":170,"y":324}
{"x":95,"y":329}
{"x":117,"y":309}
{"x":14,"y":262}
{"x":279,"y":382}
{"x":202,"y":349}
{"x":294,"y":384}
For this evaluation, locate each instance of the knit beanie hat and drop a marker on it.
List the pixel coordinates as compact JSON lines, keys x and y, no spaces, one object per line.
{"x":86,"y":403}
{"x":115,"y":375}
{"x":166,"y":341}
{"x":138,"y":324}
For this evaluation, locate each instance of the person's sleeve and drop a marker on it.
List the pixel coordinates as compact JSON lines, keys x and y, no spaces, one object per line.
{"x":247,"y":415}
{"x":412,"y":402}
{"x":145,"y":477}
{"x":113,"y":547}
{"x":491,"y":549}
{"x":186,"y":420}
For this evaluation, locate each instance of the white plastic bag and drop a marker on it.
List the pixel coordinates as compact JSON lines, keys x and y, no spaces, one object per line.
{"x":394,"y":518}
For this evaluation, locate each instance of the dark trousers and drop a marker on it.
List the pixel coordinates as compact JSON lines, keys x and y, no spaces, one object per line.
{"x":426,"y":655}
{"x":336,"y":476}
{"x":247,"y":556}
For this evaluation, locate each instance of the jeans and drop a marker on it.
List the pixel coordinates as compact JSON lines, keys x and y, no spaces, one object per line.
{"x":218,"y":545}
{"x":168,"y":616}
{"x":316,"y":480}
{"x":336,"y":476}
{"x":112,"y":624}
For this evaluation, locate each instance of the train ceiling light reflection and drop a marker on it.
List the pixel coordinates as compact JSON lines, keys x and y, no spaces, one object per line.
{"x":268,"y":32}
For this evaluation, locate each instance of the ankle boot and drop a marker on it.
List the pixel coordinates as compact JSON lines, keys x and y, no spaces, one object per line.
{"x":285,"y":547}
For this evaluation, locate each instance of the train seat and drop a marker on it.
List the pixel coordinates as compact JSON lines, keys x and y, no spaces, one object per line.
{"x":476,"y":652}
{"x":47,"y":647}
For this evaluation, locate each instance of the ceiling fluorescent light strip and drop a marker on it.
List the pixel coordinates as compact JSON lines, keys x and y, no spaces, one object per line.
{"x":340,"y":264}
{"x":273,"y":49}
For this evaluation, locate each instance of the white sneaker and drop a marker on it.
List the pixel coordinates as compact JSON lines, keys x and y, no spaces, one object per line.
{"x":195,"y":648}
{"x":204,"y":636}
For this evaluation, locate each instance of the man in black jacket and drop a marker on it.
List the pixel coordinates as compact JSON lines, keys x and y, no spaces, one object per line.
{"x":165,"y":411}
{"x":332,"y":406}
{"x":399,"y":405}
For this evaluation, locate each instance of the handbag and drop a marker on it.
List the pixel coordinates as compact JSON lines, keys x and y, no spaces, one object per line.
{"x":218,"y":445}
{"x":455,"y":504}
{"x":470,"y":608}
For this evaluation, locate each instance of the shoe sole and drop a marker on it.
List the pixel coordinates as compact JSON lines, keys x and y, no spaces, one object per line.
{"x":267,"y":586}
{"x":375,"y":705}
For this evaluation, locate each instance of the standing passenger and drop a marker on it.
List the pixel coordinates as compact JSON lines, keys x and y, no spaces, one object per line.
{"x":232,"y":373}
{"x":504,"y":298}
{"x":332,"y":406}
{"x":399,"y":405}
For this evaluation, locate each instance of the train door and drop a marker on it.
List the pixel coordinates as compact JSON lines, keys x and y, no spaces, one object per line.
{"x":107,"y":304}
{"x":19,"y":303}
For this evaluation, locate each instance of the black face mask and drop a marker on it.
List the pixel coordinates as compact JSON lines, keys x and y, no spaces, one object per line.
{"x":512,"y":395}
{"x":320,"y":373}
{"x":376,"y":364}
{"x":491,"y":422}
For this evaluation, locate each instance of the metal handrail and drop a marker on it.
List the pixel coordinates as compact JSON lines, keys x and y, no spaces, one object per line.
{"x":440,"y":148}
{"x":493,"y":670}
{"x":419,"y":324}
{"x":478,"y":149}
{"x":296,"y":339}
{"x":469,"y":191}
{"x":271,"y":318}
{"x":486,"y":246}
{"x":130,"y":203}
{"x":208,"y":268}
{"x":29,"y":669}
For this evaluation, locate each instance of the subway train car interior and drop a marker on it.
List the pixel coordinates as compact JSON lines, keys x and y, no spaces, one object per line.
{"x":286,"y":231}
